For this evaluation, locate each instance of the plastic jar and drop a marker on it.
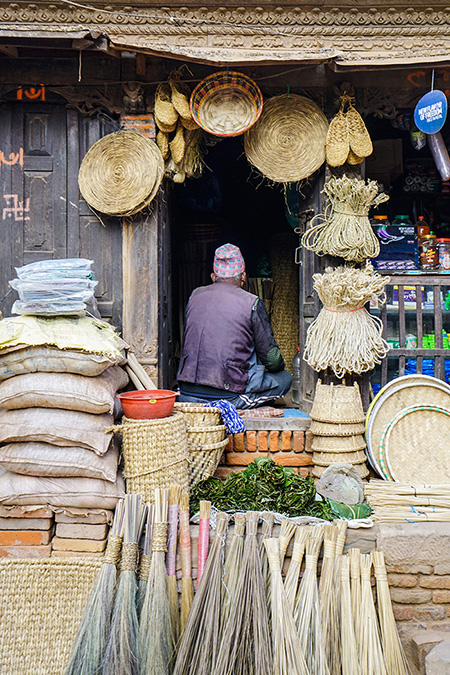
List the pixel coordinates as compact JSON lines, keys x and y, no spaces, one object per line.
{"x":428,"y":252}
{"x":443,"y":246}
{"x":401,"y":220}
{"x":380,"y":220}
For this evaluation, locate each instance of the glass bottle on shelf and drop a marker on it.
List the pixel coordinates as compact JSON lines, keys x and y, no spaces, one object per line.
{"x":428,"y":253}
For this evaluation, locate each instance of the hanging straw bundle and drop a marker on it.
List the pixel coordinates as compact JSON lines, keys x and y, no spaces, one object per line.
{"x":349,"y":647}
{"x":293,"y":573}
{"x":171,"y":558}
{"x":287,"y":531}
{"x":199,"y":644}
{"x":288,"y":657}
{"x":329,"y":600}
{"x":89,"y":646}
{"x":344,"y":229}
{"x":145,"y":560}
{"x":187,"y":589}
{"x":203,"y":537}
{"x":232,"y":568}
{"x":245,"y":646}
{"x":344,"y":336}
{"x":307,"y":609}
{"x":371,"y":658}
{"x":121,"y":650}
{"x":155,"y":640}
{"x":394,"y":655}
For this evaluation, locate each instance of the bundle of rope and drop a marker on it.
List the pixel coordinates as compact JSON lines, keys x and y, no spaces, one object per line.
{"x":344,"y":336}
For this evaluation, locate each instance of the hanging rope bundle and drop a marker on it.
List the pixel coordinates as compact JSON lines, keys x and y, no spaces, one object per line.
{"x":344,"y":229}
{"x":344,"y":336}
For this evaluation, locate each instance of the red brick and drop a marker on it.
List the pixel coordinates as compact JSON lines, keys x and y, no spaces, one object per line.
{"x":274,"y":441}
{"x":238,"y":441}
{"x":435,"y":582}
{"x":402,"y":612}
{"x":229,"y":446}
{"x":308,"y":441}
{"x":242,"y":458}
{"x":286,"y":445}
{"x":303,"y":472}
{"x":251,"y":441}
{"x":25,"y":537}
{"x":402,"y":580}
{"x":222,"y":472}
{"x":430,"y":613}
{"x":18,"y":512}
{"x":25,"y":551}
{"x":298,"y":442}
{"x":441,"y":597}
{"x":292,"y":459}
{"x":262,"y":441}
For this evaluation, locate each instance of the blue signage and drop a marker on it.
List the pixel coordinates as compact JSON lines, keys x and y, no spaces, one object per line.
{"x":431,"y":111}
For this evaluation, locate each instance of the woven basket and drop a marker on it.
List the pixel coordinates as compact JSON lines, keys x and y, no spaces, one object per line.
{"x":360,"y":141}
{"x":207,"y":440}
{"x":155,"y":454}
{"x":337,"y":142}
{"x":342,"y":444}
{"x":331,"y":429}
{"x":327,"y":458}
{"x":287,"y":143}
{"x":41,"y":606}
{"x":121,"y":173}
{"x":362,"y":470}
{"x":337,"y":404}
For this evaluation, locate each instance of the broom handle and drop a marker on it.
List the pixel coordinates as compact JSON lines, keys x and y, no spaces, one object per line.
{"x":134,"y":378}
{"x":140,"y":372}
{"x":171,"y":562}
{"x":203,"y":546}
{"x":185,"y":544}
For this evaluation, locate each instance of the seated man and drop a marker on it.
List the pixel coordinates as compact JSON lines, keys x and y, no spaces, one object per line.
{"x":229,"y":351}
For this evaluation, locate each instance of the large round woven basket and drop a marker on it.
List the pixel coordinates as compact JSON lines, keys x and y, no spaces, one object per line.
{"x":287,"y":143}
{"x":121,"y":173}
{"x":226,"y":103}
{"x":155,"y":454}
{"x":337,"y":404}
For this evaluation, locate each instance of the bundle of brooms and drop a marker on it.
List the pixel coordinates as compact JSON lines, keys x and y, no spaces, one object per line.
{"x":232,"y":568}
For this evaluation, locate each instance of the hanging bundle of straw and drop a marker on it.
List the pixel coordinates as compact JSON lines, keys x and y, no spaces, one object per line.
{"x":199,"y":644}
{"x":155,"y":640}
{"x":145,"y":559}
{"x":293,"y":573}
{"x":288,"y":657}
{"x":329,"y":600}
{"x":371,"y":658}
{"x":287,"y":531}
{"x":232,"y":568}
{"x":121,"y":650}
{"x":394,"y":654}
{"x":341,"y":526}
{"x":203,"y":537}
{"x":344,"y":336}
{"x":349,"y":647}
{"x":307,"y":609}
{"x":355,"y":587}
{"x":344,"y":229}
{"x":245,"y":646}
{"x":89,"y":646}
{"x":171,"y":558}
{"x":187,"y":589}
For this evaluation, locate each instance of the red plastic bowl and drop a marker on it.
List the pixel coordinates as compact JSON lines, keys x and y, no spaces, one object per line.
{"x":147,"y":404}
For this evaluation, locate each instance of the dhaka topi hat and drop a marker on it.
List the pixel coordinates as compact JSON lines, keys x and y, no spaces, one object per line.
{"x":228,"y":262}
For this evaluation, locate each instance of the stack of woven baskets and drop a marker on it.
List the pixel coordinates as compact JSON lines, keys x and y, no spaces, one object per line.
{"x":338,"y":426}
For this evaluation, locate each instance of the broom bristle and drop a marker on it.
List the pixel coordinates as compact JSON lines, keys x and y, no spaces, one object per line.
{"x":232,"y":568}
{"x":187,"y":588}
{"x":145,"y":560}
{"x":341,"y":526}
{"x":355,"y":588}
{"x":371,"y":658}
{"x":203,"y":537}
{"x":287,"y":531}
{"x":293,"y":573}
{"x":329,"y":600}
{"x":349,"y":648}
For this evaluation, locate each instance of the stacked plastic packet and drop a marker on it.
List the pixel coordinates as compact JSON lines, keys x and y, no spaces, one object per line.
{"x":54,"y":287}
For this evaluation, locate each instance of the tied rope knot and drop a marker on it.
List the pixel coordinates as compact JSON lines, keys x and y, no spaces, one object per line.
{"x":297,"y":552}
{"x":144,"y":567}
{"x":159,"y":542}
{"x":113,"y":549}
{"x":329,"y":548}
{"x":310,"y":562}
{"x":274,"y":561}
{"x":129,"y":556}
{"x":365,"y":573}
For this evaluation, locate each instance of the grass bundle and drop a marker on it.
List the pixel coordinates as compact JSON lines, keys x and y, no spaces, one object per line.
{"x":355,"y":587}
{"x":288,"y":658}
{"x":232,"y":568}
{"x":307,"y":609}
{"x":199,"y":644}
{"x":349,"y":647}
{"x":145,"y":559}
{"x":245,"y":646}
{"x":155,"y":641}
{"x":329,"y":600}
{"x":396,"y":663}
{"x":344,"y":336}
{"x":371,"y":658}
{"x":287,"y":531}
{"x":293,"y":573}
{"x":121,"y":649}
{"x":344,"y":229}
{"x":171,"y":558}
{"x":203,"y":538}
{"x":341,"y":526}
{"x":266,"y":532}
{"x":187,"y":588}
{"x":90,"y":642}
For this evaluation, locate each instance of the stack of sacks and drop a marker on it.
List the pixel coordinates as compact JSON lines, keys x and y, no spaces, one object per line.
{"x":59,"y":377}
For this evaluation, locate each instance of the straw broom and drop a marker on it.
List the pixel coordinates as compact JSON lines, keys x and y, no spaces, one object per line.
{"x":199,"y":644}
{"x":293,"y":573}
{"x":371,"y":658}
{"x":121,"y":650}
{"x":329,"y":600}
{"x":171,"y":558}
{"x":288,"y":657}
{"x":287,"y":531}
{"x":155,"y":639}
{"x":355,"y":588}
{"x":342,"y":526}
{"x":203,"y":537}
{"x":92,"y":636}
{"x":266,"y":532}
{"x":145,"y":560}
{"x":245,"y":647}
{"x":396,"y":663}
{"x":307,"y":609}
{"x":232,"y":568}
{"x":187,"y":588}
{"x":349,"y":647}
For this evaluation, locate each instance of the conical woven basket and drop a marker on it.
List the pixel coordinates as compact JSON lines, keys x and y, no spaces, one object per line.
{"x":342,"y":444}
{"x":362,"y":470}
{"x":121,"y":173}
{"x":337,"y":404}
{"x":327,"y":458}
{"x":287,"y":143}
{"x":331,"y":429}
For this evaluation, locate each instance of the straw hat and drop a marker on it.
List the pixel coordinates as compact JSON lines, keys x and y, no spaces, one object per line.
{"x":337,"y":404}
{"x":287,"y":143}
{"x":121,"y":173}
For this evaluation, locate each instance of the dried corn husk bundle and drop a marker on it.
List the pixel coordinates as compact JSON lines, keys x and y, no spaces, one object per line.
{"x":344,"y":229}
{"x":345,"y":337}
{"x":165,"y":113}
{"x":162,"y":141}
{"x":349,"y":647}
{"x":180,"y":96}
{"x":293,"y":573}
{"x":360,"y":141}
{"x":371,"y":657}
{"x":192,"y":163}
{"x":177,"y":145}
{"x":337,"y":144}
{"x":232,"y":568}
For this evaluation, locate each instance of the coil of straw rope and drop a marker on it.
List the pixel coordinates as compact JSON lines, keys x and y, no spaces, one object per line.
{"x":121,"y":173}
{"x":287,"y":143}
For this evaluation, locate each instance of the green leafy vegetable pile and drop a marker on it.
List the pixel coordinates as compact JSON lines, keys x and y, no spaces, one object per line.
{"x":262,"y":486}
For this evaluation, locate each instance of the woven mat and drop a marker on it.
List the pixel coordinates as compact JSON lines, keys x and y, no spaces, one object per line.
{"x":41,"y":605}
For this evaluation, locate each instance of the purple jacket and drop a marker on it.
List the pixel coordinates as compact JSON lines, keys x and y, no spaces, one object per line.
{"x":218,"y":337}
